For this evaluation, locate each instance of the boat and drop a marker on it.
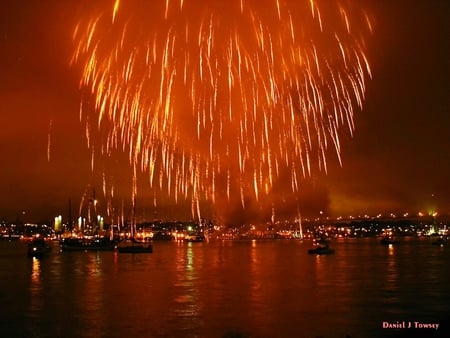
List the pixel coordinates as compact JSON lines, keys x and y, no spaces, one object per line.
{"x":38,"y":247}
{"x":87,"y":244}
{"x":162,"y":236}
{"x":89,"y":236}
{"x":441,"y":241}
{"x":321,"y":250}
{"x":322,"y":247}
{"x":135,"y":246}
{"x":194,"y":238}
{"x":389,"y":240}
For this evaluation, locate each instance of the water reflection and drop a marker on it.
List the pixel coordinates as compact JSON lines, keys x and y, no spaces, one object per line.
{"x":92,"y":295}
{"x":262,"y":289}
{"x":36,"y":303}
{"x":391,"y":277}
{"x":256,"y":283}
{"x":35,"y":285}
{"x":186,"y":298}
{"x":35,"y":274}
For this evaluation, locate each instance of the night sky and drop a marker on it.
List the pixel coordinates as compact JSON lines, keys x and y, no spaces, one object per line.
{"x":397,"y":160}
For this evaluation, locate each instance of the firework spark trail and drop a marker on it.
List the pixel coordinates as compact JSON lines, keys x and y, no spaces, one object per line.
{"x":49,"y":140}
{"x":202,"y":92}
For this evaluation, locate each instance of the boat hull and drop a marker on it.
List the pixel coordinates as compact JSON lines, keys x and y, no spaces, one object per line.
{"x":195,"y":239}
{"x":389,"y":241}
{"x":38,"y":249}
{"x":134,"y":247}
{"x":321,"y":251}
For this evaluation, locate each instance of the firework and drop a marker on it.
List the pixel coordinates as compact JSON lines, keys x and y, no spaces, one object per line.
{"x":215,"y":98}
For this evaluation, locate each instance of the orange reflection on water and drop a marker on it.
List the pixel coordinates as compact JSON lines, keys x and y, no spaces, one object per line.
{"x":36,"y":302}
{"x":186,"y":285}
{"x":392,"y":276}
{"x":35,"y":272}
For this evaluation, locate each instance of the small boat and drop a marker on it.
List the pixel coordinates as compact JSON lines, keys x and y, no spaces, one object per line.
{"x":389,"y":240}
{"x":135,"y":246}
{"x":441,"y":241}
{"x":194,"y":238}
{"x":322,"y":247}
{"x":38,"y":248}
{"x":321,"y":250}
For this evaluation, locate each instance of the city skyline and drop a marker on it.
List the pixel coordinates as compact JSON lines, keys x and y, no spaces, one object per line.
{"x":396,"y":160}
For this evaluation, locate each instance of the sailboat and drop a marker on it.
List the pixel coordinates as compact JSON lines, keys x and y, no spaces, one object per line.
{"x":38,"y":247}
{"x":87,"y":236}
{"x":133,"y":245}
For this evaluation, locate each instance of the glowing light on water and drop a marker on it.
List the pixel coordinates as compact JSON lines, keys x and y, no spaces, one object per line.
{"x":216,"y":98}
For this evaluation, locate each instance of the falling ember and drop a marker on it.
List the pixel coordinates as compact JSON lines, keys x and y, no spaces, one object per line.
{"x":216,"y":98}
{"x":49,"y":140}
{"x":115,"y":10}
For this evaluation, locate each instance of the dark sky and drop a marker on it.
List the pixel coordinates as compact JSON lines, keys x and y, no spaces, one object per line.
{"x":397,"y":161}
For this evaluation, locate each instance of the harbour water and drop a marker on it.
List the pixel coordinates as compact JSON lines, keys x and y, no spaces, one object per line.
{"x":267,"y":288}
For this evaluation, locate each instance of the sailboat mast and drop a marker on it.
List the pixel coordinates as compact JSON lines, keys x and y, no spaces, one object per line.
{"x":299,"y":216}
{"x":301,"y":227}
{"x":133,"y":219}
{"x":70,"y":225}
{"x":121,"y":221}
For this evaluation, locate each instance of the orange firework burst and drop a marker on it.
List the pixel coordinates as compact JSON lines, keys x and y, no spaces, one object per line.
{"x":216,"y":98}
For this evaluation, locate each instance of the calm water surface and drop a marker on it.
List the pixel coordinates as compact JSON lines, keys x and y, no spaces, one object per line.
{"x":226,"y":289}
